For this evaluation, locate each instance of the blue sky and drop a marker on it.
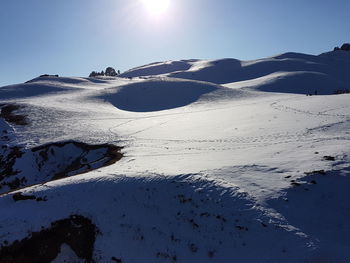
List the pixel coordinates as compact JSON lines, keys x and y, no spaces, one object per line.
{"x":74,"y":37}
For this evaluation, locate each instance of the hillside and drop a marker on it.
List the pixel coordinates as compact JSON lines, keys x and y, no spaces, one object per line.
{"x":180,"y":161}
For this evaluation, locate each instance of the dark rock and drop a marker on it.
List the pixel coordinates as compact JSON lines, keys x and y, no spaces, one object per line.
{"x":313,"y":182}
{"x":19,"y":197}
{"x":322,"y":172}
{"x":7,"y":113}
{"x":45,"y":156}
{"x":193,"y":248}
{"x":118,"y":260}
{"x":242,"y":228}
{"x":263,"y":224}
{"x":328,"y":158}
{"x":111,"y":156}
{"x":78,"y":232}
{"x":48,"y":75}
{"x":345,"y":47}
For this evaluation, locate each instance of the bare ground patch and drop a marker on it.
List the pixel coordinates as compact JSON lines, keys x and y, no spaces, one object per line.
{"x":79,"y":164}
{"x":8,"y":114}
{"x":52,"y":161}
{"x":78,"y":232}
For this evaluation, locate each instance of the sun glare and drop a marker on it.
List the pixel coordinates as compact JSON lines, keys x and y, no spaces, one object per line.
{"x":156,"y":7}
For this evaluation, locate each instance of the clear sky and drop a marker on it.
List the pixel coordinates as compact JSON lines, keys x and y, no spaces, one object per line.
{"x":74,"y":37}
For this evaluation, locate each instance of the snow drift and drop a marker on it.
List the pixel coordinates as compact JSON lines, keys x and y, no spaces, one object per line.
{"x":158,"y":94}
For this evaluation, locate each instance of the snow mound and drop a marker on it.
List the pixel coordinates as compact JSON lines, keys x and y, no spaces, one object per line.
{"x":54,"y":79}
{"x":305,"y":73}
{"x":294,"y":55}
{"x":302,"y":82}
{"x":74,"y":81}
{"x":49,"y":85}
{"x":158,"y":94}
{"x":26,"y":90}
{"x":216,"y":71}
{"x":158,"y":68}
{"x":231,"y":70}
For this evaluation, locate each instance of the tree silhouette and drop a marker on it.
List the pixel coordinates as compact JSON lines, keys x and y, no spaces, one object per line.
{"x":109,"y":72}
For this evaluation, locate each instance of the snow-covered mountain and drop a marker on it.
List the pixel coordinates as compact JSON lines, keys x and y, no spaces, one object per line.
{"x":180,"y":161}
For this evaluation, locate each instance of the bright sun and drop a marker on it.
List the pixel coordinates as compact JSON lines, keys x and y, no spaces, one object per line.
{"x":156,"y":7}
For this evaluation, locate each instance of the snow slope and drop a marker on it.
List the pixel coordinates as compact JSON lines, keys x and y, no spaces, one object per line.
{"x":324,"y":73}
{"x":158,"y":68}
{"x":222,"y":161}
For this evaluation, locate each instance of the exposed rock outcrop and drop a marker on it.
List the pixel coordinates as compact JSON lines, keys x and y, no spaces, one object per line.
{"x":344,"y":47}
{"x":77,"y":232}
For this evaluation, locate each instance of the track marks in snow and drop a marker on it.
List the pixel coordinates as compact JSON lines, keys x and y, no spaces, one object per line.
{"x":279,"y":105}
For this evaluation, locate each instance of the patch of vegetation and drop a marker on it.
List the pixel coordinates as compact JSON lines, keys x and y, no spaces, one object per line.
{"x":108,"y":72}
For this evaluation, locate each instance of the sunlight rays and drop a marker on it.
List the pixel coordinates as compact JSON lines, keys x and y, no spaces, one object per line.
{"x":156,"y":8}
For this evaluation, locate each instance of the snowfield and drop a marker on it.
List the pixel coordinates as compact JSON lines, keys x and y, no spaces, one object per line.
{"x":180,"y":161}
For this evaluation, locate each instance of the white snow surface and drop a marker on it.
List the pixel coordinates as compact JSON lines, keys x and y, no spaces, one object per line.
{"x":215,"y":160}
